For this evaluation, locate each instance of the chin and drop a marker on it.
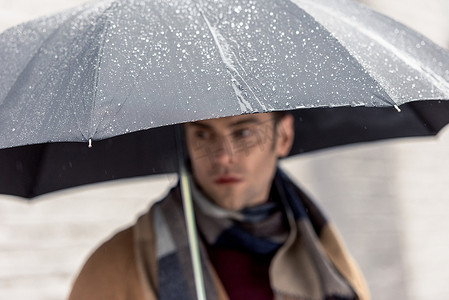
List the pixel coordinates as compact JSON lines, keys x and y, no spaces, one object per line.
{"x":230,"y":205}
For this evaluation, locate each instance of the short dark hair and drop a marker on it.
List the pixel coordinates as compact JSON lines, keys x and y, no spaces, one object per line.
{"x":277,"y":116}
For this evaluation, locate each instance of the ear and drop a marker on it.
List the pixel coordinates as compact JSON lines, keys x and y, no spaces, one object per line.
{"x":285,"y":135}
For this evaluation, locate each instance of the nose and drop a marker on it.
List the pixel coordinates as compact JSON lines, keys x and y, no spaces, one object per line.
{"x":222,"y":152}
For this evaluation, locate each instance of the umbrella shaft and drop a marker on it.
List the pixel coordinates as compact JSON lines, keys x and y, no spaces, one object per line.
{"x":192,"y":235}
{"x":190,"y":219}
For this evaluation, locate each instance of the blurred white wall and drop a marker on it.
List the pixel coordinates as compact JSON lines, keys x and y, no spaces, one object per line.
{"x":423,"y":174}
{"x":13,"y":12}
{"x":430,"y":18}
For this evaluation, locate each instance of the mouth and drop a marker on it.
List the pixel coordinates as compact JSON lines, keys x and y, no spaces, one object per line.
{"x":227,"y":180}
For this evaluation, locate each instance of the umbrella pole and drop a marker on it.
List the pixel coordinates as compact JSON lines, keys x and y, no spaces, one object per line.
{"x":186,"y":195}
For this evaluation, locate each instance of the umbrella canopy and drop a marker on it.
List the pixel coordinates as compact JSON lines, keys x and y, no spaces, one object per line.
{"x":122,"y":67}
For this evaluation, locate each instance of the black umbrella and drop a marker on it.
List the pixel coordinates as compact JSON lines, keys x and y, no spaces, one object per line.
{"x":108,"y":68}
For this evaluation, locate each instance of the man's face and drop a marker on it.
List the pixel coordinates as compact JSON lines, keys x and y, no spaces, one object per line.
{"x":234,"y":159}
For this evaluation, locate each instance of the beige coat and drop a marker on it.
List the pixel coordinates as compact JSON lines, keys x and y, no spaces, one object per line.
{"x":115,"y":272}
{"x":111,"y":273}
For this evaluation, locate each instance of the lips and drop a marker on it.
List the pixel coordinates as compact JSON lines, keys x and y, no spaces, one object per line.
{"x":227,"y":180}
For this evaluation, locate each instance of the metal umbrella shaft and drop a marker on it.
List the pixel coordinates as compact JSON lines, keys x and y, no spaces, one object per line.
{"x":189,"y":215}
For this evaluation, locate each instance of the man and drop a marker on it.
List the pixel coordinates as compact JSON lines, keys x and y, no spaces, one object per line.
{"x":261,"y":237}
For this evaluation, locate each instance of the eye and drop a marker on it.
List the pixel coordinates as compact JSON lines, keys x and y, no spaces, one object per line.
{"x":203,"y":134}
{"x":242,"y":133}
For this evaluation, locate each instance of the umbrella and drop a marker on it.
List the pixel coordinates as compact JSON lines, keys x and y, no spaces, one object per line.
{"x":113,"y":67}
{"x":104,"y":73}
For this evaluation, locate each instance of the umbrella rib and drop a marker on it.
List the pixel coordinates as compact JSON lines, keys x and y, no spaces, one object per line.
{"x":97,"y":70}
{"x":125,"y":99}
{"x":103,"y":116}
{"x":429,"y":74}
{"x":39,"y":50}
{"x":225,"y":55}
{"x":388,"y":101}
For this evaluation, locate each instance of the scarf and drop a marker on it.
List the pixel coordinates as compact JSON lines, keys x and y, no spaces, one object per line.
{"x":289,"y":226}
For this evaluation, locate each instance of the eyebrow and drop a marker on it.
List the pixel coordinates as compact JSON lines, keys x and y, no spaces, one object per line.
{"x":246,"y":121}
{"x":234,"y":124}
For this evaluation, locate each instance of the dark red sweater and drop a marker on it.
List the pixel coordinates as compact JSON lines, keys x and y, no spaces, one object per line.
{"x":244,"y":275}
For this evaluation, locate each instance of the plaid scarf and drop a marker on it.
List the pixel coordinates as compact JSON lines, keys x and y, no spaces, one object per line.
{"x":289,"y":225}
{"x":261,"y":229}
